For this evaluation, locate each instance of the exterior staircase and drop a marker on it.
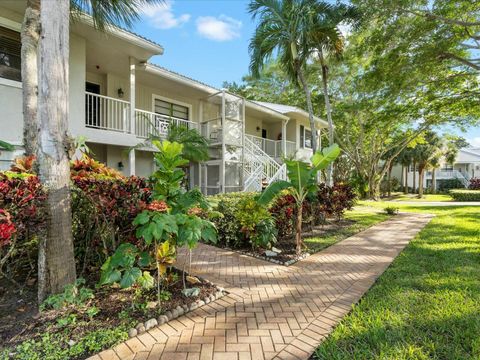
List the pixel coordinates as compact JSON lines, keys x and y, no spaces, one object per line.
{"x":259,"y":167}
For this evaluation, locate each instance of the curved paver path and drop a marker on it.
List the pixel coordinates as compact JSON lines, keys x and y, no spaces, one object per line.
{"x":273,"y":311}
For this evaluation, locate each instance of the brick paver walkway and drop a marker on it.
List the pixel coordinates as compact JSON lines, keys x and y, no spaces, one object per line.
{"x":272,"y":311}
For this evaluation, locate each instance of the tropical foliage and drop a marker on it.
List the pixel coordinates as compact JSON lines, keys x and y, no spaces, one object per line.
{"x":175,"y":218}
{"x":302,"y":182}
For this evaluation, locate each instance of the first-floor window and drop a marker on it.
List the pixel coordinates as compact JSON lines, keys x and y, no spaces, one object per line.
{"x":10,"y":48}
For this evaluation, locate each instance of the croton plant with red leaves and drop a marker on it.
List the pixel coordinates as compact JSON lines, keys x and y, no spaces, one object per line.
{"x":7,"y":229}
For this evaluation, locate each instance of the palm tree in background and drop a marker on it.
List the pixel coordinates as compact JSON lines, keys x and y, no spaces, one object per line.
{"x":282,"y":32}
{"x":326,"y":41}
{"x":44,"y":56}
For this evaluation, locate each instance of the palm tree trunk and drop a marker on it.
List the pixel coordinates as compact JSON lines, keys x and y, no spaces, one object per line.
{"x":308,"y":95}
{"x":434,"y":181}
{"x":56,"y":266}
{"x":390,"y":168}
{"x":420,"y":182}
{"x":414,"y":190}
{"x":329,"y":114}
{"x":30,"y":34}
{"x":298,"y":235}
{"x":405,"y":185}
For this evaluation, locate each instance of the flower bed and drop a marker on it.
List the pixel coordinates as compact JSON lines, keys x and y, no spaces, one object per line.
{"x":238,"y":221}
{"x":83,"y":321}
{"x":126,"y":236}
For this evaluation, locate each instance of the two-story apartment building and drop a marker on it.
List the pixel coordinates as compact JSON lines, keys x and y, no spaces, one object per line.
{"x":465,"y":167}
{"x":117,"y":98}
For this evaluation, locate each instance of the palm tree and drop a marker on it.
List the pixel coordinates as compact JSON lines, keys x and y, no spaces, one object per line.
{"x":405,"y":159}
{"x":195,"y":146}
{"x":282,"y":30}
{"x":425,"y":152}
{"x":326,"y":41}
{"x":56,"y":262}
{"x":46,"y":119}
{"x":103,"y":12}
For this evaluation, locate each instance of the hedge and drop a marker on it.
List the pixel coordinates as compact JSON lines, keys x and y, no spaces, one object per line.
{"x":465,"y":195}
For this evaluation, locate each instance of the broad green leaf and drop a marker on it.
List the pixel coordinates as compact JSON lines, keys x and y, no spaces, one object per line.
{"x":146,"y":281}
{"x":298,"y":173}
{"x":110,"y":277}
{"x":272,"y":190}
{"x":321,"y":160}
{"x":145,"y":259}
{"x":129,"y":277}
{"x":209,"y":232}
{"x":141,"y":218}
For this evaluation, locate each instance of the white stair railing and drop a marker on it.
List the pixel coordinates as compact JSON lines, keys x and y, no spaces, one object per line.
{"x":259,"y":167}
{"x":281,"y":174}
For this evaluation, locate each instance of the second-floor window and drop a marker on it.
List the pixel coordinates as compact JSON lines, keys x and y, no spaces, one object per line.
{"x":10,"y":49}
{"x":447,"y":167}
{"x":170,"y":109}
{"x":305,"y":137}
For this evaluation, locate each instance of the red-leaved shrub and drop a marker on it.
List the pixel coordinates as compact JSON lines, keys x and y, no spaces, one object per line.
{"x":474,"y":184}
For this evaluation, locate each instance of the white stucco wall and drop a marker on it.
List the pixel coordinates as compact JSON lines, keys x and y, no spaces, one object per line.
{"x":11,"y":118}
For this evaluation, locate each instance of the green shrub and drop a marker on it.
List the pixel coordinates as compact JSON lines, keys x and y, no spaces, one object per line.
{"x":391,"y":210}
{"x":444,"y":185}
{"x":465,"y":195}
{"x":229,"y":226}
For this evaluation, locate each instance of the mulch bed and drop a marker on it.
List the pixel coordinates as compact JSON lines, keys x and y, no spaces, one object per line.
{"x":288,"y":255}
{"x":20,"y":319}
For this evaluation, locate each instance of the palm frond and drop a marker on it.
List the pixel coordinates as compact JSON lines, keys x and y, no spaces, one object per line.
{"x":110,"y":12}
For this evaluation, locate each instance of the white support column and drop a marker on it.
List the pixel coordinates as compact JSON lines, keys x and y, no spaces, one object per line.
{"x":284,"y":138}
{"x":131,"y":155}
{"x":222,"y":167}
{"x":131,"y":161}
{"x":132,"y":95}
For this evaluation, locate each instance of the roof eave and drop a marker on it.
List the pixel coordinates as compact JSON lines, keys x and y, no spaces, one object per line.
{"x":148,"y":45}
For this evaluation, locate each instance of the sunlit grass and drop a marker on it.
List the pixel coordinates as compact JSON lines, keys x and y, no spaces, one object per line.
{"x":425,"y":198}
{"x":362,"y":219}
{"x":427,"y":304}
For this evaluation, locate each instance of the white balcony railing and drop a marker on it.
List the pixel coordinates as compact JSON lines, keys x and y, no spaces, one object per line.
{"x":103,"y":112}
{"x":147,"y":122}
{"x":107,"y":113}
{"x":273,"y":148}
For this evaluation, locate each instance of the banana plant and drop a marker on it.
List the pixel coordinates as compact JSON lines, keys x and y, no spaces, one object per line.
{"x":302,"y":181}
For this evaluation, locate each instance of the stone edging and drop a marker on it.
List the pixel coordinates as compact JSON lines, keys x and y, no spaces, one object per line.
{"x":177,"y":312}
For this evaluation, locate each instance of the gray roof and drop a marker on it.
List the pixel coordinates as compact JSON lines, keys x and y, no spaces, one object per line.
{"x":286,"y":109}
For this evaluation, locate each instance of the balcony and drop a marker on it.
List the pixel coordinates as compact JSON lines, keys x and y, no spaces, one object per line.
{"x":273,"y":148}
{"x":106,"y":113}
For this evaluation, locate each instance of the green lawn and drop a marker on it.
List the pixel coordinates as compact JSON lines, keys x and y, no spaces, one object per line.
{"x":427,"y":304}
{"x":363,"y":218}
{"x":427,"y":197}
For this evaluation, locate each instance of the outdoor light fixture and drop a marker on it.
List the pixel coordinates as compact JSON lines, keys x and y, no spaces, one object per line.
{"x":258,"y":128}
{"x":120,"y":93}
{"x":120,"y":165}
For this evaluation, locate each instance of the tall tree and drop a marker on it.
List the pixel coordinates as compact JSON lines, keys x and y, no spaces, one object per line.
{"x":425,"y":152}
{"x":103,"y":12}
{"x":46,"y":118}
{"x":56,"y":266}
{"x":282,"y":29}
{"x":30,"y":34}
{"x":327,"y":41}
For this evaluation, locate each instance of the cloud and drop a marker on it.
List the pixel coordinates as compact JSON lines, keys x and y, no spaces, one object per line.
{"x":222,"y":28}
{"x":161,"y":16}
